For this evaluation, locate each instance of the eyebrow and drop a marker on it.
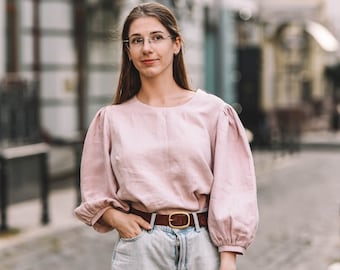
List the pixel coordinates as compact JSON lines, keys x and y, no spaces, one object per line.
{"x":151,"y":33}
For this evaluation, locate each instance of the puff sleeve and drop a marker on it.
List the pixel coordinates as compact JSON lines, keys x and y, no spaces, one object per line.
{"x":97,"y":180}
{"x":233,"y":211}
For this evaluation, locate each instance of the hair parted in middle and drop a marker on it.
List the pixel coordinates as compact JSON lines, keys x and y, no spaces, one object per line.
{"x":129,"y":80}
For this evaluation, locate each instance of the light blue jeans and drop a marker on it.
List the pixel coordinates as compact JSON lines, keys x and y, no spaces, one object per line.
{"x":164,"y":248}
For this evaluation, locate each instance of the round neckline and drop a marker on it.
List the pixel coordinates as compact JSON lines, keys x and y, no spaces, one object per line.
{"x":187,"y":102}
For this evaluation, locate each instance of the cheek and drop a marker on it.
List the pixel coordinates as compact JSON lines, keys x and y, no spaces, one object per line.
{"x":134,"y":60}
{"x":168,"y":53}
{"x":132,"y":56}
{"x":170,"y":57}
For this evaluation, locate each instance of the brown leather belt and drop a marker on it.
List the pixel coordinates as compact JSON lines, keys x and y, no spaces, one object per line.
{"x":176,"y":220}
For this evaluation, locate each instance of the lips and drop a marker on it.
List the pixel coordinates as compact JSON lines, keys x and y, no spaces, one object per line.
{"x":149,"y":61}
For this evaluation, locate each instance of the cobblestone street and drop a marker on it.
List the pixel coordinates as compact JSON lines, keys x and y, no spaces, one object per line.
{"x":299,"y":215}
{"x":299,"y":224}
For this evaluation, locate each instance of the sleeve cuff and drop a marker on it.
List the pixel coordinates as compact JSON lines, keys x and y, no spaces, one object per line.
{"x":237,"y":249}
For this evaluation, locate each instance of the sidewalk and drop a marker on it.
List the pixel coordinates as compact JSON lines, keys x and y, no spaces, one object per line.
{"x":24,"y":218}
{"x":321,"y":140}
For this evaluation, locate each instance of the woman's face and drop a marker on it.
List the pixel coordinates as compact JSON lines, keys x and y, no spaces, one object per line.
{"x":151,"y":48}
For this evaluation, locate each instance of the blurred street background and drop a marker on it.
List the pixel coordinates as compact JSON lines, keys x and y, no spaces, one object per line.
{"x":276,"y":62}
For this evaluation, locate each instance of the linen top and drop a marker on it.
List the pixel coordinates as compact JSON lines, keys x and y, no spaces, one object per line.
{"x":191,"y":156}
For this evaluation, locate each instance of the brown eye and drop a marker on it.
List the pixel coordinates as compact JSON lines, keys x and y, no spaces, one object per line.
{"x":156,"y":38}
{"x":137,"y":41}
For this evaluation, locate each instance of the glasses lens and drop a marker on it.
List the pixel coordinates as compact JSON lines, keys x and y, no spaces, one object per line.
{"x":138,"y":41}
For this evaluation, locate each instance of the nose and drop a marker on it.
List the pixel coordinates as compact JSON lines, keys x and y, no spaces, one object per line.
{"x":147,"y":44}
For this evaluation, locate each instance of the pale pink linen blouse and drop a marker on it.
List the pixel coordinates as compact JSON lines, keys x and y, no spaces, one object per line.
{"x":192,"y":156}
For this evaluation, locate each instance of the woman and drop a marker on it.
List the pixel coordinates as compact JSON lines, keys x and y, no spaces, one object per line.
{"x":167,"y":167}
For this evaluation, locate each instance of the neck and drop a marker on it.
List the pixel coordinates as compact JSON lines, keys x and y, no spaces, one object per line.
{"x":162,"y":93}
{"x":158,"y":89}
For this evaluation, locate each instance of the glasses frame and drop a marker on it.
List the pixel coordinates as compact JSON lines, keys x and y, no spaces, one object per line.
{"x":126,"y":41}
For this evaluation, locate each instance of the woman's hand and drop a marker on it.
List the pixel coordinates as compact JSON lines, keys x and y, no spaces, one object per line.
{"x":228,"y":260}
{"x":128,"y":225}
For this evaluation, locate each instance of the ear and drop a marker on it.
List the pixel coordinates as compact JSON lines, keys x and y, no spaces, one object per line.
{"x":177,"y":45}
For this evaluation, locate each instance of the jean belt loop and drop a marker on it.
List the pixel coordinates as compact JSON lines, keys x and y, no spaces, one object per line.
{"x":196,"y":222}
{"x":152,"y":220}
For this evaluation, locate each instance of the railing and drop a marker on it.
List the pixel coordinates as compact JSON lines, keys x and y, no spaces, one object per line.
{"x":19,"y":115}
{"x":21,"y":140}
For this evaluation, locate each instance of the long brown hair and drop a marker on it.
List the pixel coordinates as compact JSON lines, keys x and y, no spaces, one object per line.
{"x":129,"y":80}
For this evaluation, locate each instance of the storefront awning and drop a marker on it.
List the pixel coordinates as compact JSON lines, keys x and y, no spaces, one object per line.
{"x":323,"y":36}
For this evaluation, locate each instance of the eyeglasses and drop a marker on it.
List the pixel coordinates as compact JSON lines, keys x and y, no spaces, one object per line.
{"x":137,"y":42}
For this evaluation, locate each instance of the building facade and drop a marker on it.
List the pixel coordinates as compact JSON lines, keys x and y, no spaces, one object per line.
{"x":298,"y":43}
{"x":258,"y":55}
{"x":73,"y":49}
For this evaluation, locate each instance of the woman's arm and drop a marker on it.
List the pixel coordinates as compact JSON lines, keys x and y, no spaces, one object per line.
{"x":233,"y":211}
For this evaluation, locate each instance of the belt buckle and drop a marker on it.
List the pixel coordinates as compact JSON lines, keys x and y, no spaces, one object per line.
{"x":179,"y":226}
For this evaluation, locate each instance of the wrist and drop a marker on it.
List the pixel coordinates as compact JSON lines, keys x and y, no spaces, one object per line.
{"x":109,"y":217}
{"x":228,"y":260}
